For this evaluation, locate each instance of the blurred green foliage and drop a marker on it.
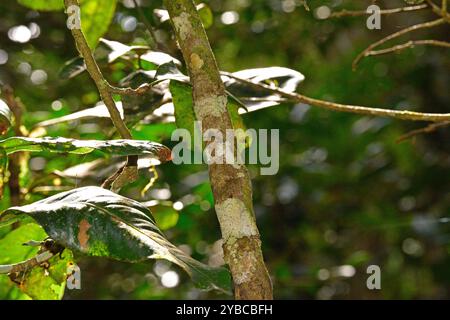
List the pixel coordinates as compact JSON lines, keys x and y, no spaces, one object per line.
{"x":347,"y":194}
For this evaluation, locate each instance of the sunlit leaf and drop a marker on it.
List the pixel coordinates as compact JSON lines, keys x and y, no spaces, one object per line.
{"x":99,"y":111}
{"x":43,"y":5}
{"x":37,"y":283}
{"x":41,"y":284}
{"x":96,"y":15}
{"x":98,"y":222}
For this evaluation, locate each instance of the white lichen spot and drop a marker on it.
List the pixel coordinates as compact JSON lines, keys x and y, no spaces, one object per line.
{"x":244,"y":262}
{"x":196,"y":61}
{"x":182,"y":25}
{"x":236,"y":221}
{"x":211,"y":106}
{"x":240,"y":174}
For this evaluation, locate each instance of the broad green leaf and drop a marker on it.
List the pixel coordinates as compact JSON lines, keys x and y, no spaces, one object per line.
{"x":98,"y":222}
{"x":36,"y":283}
{"x":9,"y":290}
{"x":11,"y":248}
{"x":62,"y":145}
{"x":41,"y":284}
{"x":183,"y":104}
{"x":5,"y":117}
{"x":206,"y":15}
{"x":43,"y":5}
{"x":96,"y":15}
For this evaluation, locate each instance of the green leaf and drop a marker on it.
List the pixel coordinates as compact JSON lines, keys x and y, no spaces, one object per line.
{"x":206,"y":15}
{"x":43,"y":5}
{"x":11,"y":248}
{"x":5,"y":117}
{"x":41,"y":284}
{"x":96,"y":16}
{"x":62,"y":145}
{"x":36,"y":283}
{"x":183,"y":104}
{"x":98,"y":222}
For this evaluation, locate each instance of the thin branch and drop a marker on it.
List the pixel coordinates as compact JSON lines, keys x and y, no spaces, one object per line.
{"x":409,"y":44}
{"x":442,"y":12}
{"x":351,"y":13}
{"x":396,"y":114}
{"x":27,"y":264}
{"x":96,"y":75}
{"x":415,"y":27}
{"x":130,"y":91}
{"x":103,"y":87}
{"x":428,"y":129}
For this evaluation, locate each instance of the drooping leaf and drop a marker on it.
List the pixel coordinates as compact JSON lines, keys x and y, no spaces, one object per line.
{"x":98,"y":222}
{"x":96,"y":15}
{"x":283,"y":78}
{"x":5,"y":117}
{"x":159,"y":58}
{"x":43,"y":5}
{"x":61,"y":145}
{"x":99,"y":111}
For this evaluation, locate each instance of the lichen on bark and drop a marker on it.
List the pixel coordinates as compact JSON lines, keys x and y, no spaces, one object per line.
{"x":231,"y":185}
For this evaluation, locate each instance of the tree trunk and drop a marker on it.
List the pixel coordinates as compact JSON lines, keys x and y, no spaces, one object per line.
{"x":231,"y":184}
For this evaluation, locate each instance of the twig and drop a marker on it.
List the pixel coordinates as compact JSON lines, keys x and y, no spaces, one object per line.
{"x":27,"y":264}
{"x":415,"y":27}
{"x":409,"y":44}
{"x":104,"y":88}
{"x":350,"y":13}
{"x":428,"y":129}
{"x":396,"y":114}
{"x":442,"y":12}
{"x":130,"y":91}
{"x":96,"y":75}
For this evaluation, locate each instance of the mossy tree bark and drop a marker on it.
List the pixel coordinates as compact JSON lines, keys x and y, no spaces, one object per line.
{"x":231,"y":184}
